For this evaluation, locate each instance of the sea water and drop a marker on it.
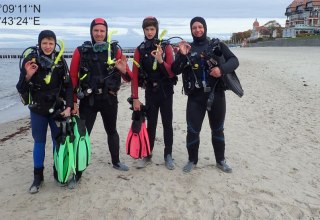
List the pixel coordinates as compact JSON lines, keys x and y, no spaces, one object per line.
{"x":11,"y":107}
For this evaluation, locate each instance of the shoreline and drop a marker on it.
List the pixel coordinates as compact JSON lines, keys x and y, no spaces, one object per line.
{"x":14,"y":128}
{"x":20,"y":112}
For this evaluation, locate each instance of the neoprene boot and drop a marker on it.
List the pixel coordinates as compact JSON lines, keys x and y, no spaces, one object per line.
{"x":169,"y":162}
{"x":222,"y":165}
{"x":37,"y":181}
{"x":72,"y":184}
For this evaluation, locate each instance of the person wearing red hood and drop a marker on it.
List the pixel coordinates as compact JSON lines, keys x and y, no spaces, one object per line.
{"x":202,"y":63}
{"x":96,"y":73}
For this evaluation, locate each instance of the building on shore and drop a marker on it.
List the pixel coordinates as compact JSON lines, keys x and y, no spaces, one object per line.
{"x":269,"y":30}
{"x":302,"y":18}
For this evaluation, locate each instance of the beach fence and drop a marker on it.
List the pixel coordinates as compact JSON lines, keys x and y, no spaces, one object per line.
{"x":67,"y":54}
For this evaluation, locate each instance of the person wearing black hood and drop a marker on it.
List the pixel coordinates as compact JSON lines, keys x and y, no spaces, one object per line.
{"x":43,"y":96}
{"x":202,"y":63}
{"x":96,"y":70}
{"x":158,"y":84}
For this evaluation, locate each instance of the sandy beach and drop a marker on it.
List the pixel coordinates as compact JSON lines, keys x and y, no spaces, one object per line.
{"x":272,"y":144}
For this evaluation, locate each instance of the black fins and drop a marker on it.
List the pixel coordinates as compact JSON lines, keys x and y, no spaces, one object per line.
{"x":232,"y":82}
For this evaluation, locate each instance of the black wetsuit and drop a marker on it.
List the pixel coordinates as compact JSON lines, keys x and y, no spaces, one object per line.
{"x":158,"y":91}
{"x":104,"y":84}
{"x":193,"y":65}
{"x":160,"y":99}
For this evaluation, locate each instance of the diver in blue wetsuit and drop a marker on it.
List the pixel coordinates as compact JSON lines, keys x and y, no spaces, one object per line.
{"x":46,"y":97}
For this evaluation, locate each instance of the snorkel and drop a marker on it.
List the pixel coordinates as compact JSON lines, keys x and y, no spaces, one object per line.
{"x":47,"y":79}
{"x":109,"y":60}
{"x":154,"y":66}
{"x":136,"y":63}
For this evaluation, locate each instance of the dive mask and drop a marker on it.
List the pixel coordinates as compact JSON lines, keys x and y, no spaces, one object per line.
{"x":100,"y":47}
{"x":45,"y":62}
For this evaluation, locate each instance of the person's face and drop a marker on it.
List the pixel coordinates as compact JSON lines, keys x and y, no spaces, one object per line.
{"x":47,"y":45}
{"x":150,"y":32}
{"x":197,"y":29}
{"x":99,"y":33}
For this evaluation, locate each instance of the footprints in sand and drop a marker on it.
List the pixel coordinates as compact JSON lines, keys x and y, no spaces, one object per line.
{"x":125,"y":213}
{"x":258,"y":209}
{"x":296,"y":213}
{"x":233,"y":210}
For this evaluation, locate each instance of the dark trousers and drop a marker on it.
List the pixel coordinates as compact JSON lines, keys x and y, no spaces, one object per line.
{"x":160,"y":99}
{"x":196,"y":110}
{"x":108,"y":109}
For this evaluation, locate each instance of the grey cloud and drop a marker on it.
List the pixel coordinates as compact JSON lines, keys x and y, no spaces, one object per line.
{"x":164,"y":8}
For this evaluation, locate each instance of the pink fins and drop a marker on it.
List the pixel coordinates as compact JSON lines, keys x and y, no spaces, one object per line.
{"x":137,"y":143}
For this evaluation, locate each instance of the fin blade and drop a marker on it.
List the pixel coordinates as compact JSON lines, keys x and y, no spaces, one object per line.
{"x":82,"y":146}
{"x":145,"y":140}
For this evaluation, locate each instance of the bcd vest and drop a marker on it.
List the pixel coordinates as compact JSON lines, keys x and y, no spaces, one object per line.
{"x":95,"y":75}
{"x":43,"y":98}
{"x":197,"y":74}
{"x":147,"y":75}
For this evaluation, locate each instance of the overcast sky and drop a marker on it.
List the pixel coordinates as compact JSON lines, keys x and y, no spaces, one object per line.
{"x":70,"y":19}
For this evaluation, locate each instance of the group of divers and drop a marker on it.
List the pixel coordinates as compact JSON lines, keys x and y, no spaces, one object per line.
{"x":68,"y":99}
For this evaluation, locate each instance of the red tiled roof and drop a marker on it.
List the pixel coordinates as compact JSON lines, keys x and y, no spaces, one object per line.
{"x":316,"y":2}
{"x":296,"y":3}
{"x":261,"y":28}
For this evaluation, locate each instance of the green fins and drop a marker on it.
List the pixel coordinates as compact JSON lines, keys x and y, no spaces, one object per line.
{"x":73,"y":150}
{"x":63,"y":155}
{"x":81,"y":144}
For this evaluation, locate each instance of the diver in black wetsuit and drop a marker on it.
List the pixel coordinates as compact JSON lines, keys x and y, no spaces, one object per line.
{"x":96,"y":70}
{"x":158,"y":84}
{"x":201,"y":72}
